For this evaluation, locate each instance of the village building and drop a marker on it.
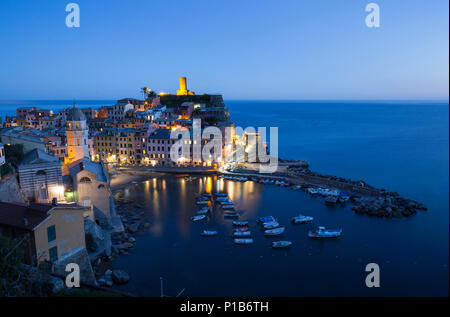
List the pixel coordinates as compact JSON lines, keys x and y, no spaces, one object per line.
{"x":40,"y":177}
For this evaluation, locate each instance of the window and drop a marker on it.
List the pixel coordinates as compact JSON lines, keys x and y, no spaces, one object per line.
{"x":41,"y":172}
{"x":53,"y":254}
{"x":85,"y":180}
{"x":51,"y":233}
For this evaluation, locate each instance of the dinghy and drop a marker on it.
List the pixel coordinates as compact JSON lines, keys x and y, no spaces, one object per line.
{"x":271,"y":225}
{"x":240,"y":223}
{"x":231,"y":215}
{"x":266,"y":219}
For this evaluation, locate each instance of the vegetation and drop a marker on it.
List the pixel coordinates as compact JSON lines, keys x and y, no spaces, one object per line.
{"x":11,"y":270}
{"x":14,"y":153}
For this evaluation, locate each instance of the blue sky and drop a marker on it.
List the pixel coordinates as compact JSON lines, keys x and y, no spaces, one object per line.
{"x":244,"y":49}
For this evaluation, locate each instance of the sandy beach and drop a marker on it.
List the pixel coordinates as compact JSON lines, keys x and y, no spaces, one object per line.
{"x":124,"y":178}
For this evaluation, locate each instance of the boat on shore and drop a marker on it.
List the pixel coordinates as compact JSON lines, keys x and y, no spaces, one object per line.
{"x":242,"y":234}
{"x":208,"y":233}
{"x":243,"y":241}
{"x":331,"y":200}
{"x":281,"y":244}
{"x":198,"y":218}
{"x":274,"y":232}
{"x":300,"y":219}
{"x":313,"y":191}
{"x":240,"y":223}
{"x":240,"y":229}
{"x":322,"y":232}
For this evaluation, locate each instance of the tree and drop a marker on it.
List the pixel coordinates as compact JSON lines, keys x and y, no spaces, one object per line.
{"x":13,"y":153}
{"x":11,"y":269}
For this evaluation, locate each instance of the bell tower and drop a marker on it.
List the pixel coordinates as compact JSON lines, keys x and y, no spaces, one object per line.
{"x":77,"y":135}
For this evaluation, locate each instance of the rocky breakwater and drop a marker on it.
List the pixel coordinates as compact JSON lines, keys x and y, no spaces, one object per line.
{"x":387,"y":205}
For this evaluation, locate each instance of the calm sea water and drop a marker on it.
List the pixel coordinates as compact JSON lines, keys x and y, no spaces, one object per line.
{"x":401,"y":146}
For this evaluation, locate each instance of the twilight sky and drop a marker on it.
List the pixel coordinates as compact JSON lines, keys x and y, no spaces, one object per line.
{"x":244,"y":49}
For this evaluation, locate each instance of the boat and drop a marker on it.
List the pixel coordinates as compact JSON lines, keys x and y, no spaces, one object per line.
{"x":271,"y":225}
{"x":281,"y":244}
{"x":321,"y":232}
{"x":222,"y":199}
{"x":206,"y":195}
{"x":208,"y":233}
{"x":240,"y":223}
{"x":202,"y":202}
{"x":231,"y":215}
{"x":198,"y":217}
{"x":331,"y":200}
{"x":221,"y":194}
{"x":202,"y":198}
{"x":242,"y":234}
{"x":228,"y":207}
{"x":243,"y":241}
{"x":203,"y":211}
{"x":274,"y":232}
{"x":240,"y":229}
{"x":313,"y":191}
{"x":302,"y":219}
{"x":266,"y":219}
{"x":296,"y":187}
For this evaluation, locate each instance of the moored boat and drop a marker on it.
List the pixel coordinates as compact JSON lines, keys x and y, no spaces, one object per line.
{"x":274,"y":232}
{"x":209,"y":233}
{"x":266,"y":219}
{"x":331,"y":200}
{"x":240,"y":229}
{"x":240,"y":223}
{"x":321,"y":232}
{"x":313,"y":191}
{"x":242,"y":234}
{"x":271,"y":225}
{"x":231,"y":215}
{"x":203,"y":211}
{"x":198,"y":217}
{"x":202,"y":202}
{"x":302,"y":219}
{"x":281,"y":244}
{"x":243,"y":241}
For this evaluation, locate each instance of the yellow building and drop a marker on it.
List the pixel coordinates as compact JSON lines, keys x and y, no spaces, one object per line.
{"x":48,"y":232}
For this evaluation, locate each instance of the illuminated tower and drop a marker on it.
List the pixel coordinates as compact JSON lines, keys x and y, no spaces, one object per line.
{"x":77,"y":135}
{"x":183,"y":88}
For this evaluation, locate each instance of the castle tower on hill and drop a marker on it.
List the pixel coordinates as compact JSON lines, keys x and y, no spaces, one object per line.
{"x":183,"y":91}
{"x":77,"y":135}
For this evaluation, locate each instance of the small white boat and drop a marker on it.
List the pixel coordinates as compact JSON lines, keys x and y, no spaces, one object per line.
{"x":229,"y":207}
{"x":240,"y":223}
{"x":266,"y":219}
{"x":231,"y":215}
{"x":242,"y":234}
{"x":243,"y":241}
{"x":313,"y":191}
{"x":281,"y":244}
{"x":209,"y":233}
{"x":321,"y":232}
{"x":331,"y":200}
{"x":302,"y":219}
{"x":274,"y":232}
{"x":202,"y":202}
{"x":203,"y":211}
{"x":296,"y":187}
{"x":198,"y":218}
{"x":221,"y":194}
{"x":271,"y":225}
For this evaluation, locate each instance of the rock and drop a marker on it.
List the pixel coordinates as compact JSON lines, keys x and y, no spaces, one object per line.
{"x":120,"y":277}
{"x":131,"y":240}
{"x":133,"y":228}
{"x":94,"y":235}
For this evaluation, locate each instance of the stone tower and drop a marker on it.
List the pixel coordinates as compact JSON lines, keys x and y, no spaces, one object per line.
{"x":77,"y":135}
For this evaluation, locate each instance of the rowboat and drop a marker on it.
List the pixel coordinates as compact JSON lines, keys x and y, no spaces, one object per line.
{"x":203,"y":211}
{"x":243,"y":241}
{"x":274,"y":232}
{"x":231,"y":215}
{"x":240,"y":229}
{"x":331,"y":200}
{"x":221,"y":194}
{"x":281,"y":244}
{"x":266,"y":219}
{"x":321,"y":232}
{"x":202,"y":202}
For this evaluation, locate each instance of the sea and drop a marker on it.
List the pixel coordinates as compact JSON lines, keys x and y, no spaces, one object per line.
{"x":401,"y":146}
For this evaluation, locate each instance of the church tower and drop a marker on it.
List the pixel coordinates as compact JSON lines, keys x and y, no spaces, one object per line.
{"x":77,"y":135}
